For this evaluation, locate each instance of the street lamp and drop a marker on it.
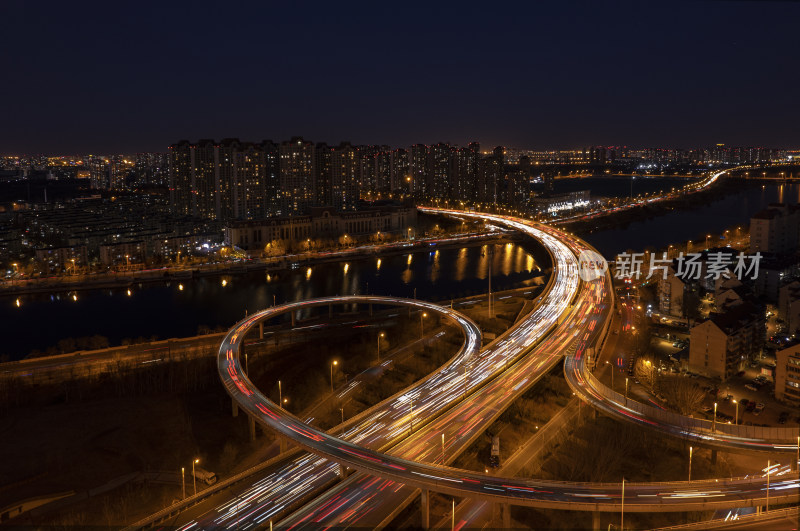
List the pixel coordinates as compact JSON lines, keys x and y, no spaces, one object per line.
{"x":183,"y":482}
{"x":736,"y":418}
{"x":612,"y":374}
{"x":626,"y":388}
{"x":194,"y":478}
{"x":422,"y":325}
{"x":333,"y":364}
{"x":714,"y":425}
{"x":280,"y":394}
{"x":381,"y":335}
{"x":443,"y":449}
{"x":690,"y":463}
{"x":769,"y":465}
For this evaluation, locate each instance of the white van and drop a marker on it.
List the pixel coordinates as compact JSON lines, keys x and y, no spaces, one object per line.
{"x":209,"y":478}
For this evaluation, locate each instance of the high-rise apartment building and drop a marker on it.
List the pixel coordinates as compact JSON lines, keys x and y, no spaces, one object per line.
{"x":98,"y":172}
{"x":225,"y":180}
{"x":417,"y":165}
{"x":344,"y":177}
{"x":322,"y":173}
{"x":437,"y":183}
{"x":465,"y":166}
{"x":297,"y":175}
{"x":400,"y":179}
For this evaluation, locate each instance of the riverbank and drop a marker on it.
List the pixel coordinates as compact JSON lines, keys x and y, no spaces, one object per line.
{"x":727,"y":206}
{"x":110,"y":280}
{"x":614,"y":220}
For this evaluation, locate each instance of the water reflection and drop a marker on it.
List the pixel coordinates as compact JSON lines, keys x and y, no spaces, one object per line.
{"x":682,"y":225}
{"x":461,"y":265}
{"x":174,"y":309}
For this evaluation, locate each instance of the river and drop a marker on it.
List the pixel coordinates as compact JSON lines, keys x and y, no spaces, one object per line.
{"x":722,"y":213}
{"x":178,"y":309}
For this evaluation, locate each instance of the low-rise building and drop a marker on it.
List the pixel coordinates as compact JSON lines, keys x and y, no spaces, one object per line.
{"x":787,"y":374}
{"x":722,"y":344}
{"x":774,"y":272}
{"x":671,"y":292}
{"x":322,"y":223}
{"x":775,"y":229}
{"x":123,"y":253}
{"x":67,"y":258}
{"x":789,"y":306}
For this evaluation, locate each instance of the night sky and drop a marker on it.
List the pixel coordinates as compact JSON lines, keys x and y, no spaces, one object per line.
{"x":110,"y":77}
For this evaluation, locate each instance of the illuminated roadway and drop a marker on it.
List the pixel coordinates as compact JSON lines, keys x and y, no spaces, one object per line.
{"x":698,"y":495}
{"x":257,"y":506}
{"x":434,"y":396}
{"x":362,"y":500}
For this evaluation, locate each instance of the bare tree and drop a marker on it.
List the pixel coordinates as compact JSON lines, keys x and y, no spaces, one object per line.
{"x":646,"y":373}
{"x":684,"y":395}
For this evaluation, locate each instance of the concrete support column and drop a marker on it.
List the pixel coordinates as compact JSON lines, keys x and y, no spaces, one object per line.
{"x":505,"y":509}
{"x":713,"y":457}
{"x":252,"y":422}
{"x":342,"y":471}
{"x":293,"y":319}
{"x":425,"y":503}
{"x":794,"y":465}
{"x":370,"y":309}
{"x":261,"y":330}
{"x":596,"y":521}
{"x":234,"y":408}
{"x":284,"y":443}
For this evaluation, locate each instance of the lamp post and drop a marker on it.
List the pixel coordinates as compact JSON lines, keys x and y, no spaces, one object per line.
{"x":622,"y":507}
{"x":333,"y":364}
{"x":736,"y":419}
{"x":421,"y":324}
{"x":194,"y":478}
{"x":690,"y":463}
{"x":183,"y":481}
{"x":381,"y":335}
{"x":443,"y":449}
{"x":626,"y":388}
{"x":280,"y":394}
{"x":769,"y":465}
{"x":714,"y":424}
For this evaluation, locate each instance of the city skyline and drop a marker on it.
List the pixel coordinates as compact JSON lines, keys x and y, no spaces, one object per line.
{"x":536,"y":77}
{"x":400,"y":265}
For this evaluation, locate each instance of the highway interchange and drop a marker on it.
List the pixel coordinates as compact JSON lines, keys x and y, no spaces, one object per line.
{"x":393,"y":460}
